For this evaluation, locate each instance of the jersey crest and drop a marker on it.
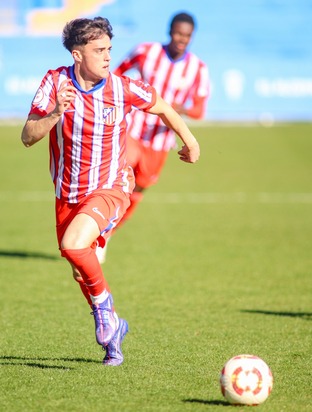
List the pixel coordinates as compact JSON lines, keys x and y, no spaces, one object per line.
{"x":110,"y":115}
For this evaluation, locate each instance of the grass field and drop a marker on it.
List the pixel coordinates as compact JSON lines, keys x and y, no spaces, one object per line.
{"x":216,"y":262}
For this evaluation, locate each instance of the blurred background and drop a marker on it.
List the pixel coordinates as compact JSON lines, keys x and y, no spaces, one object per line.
{"x":259,"y":52}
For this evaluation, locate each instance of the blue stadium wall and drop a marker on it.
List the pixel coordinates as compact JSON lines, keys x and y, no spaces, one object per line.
{"x":259,"y":52}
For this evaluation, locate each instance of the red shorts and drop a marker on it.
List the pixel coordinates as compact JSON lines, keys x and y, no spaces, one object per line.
{"x":146,"y":162}
{"x":105,"y":206}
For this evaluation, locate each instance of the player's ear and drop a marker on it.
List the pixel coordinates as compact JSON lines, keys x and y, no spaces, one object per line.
{"x":76,"y":55}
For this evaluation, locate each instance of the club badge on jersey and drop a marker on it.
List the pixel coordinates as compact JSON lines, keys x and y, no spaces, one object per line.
{"x":109,"y":115}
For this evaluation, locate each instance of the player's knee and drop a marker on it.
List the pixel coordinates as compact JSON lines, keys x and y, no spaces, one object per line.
{"x":72,"y":244}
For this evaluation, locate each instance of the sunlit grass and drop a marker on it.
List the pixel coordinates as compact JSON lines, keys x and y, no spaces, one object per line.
{"x":215,"y":262}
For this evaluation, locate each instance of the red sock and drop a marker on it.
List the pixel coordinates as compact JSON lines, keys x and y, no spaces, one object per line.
{"x":90,"y":269}
{"x":135,"y":199}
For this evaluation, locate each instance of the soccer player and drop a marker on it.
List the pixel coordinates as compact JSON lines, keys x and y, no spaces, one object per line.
{"x":182,"y":80}
{"x":83,"y":108}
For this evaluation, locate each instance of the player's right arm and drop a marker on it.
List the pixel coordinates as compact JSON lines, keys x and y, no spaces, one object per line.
{"x":36,"y":126}
{"x":134,"y":60}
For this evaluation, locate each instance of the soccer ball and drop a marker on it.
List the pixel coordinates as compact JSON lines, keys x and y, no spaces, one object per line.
{"x":246,"y":380}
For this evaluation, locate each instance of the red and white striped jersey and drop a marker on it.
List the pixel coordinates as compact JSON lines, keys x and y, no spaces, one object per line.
{"x":176,"y":81}
{"x":88,"y":144}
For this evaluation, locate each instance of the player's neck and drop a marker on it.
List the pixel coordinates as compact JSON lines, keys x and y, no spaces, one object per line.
{"x":85,"y":82}
{"x":174,"y":54}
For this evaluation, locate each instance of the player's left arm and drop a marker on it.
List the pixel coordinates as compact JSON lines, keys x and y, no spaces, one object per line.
{"x":190,"y":150}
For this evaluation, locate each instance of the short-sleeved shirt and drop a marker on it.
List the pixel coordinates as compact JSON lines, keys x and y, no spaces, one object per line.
{"x":177,"y":81}
{"x":88,"y":144}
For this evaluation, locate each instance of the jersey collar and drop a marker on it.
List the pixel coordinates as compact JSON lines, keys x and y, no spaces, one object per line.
{"x":165,"y":47}
{"x":77,"y":85}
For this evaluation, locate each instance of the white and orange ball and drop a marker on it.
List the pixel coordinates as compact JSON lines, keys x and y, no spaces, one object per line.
{"x":246,"y":380}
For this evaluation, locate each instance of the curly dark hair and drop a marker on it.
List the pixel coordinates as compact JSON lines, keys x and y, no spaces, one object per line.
{"x":79,"y":32}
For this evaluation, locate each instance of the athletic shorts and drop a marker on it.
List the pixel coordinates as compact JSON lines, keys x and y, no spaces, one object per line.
{"x":146,"y":162}
{"x":105,"y":206}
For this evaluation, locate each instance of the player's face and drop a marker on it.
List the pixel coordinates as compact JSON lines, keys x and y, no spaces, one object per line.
{"x":181,"y":35}
{"x":94,"y":59}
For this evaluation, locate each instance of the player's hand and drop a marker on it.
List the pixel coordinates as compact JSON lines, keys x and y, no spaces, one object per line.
{"x":190,"y":154}
{"x":65,"y":95}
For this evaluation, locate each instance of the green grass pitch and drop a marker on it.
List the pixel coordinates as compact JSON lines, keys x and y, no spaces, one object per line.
{"x":216,"y":262}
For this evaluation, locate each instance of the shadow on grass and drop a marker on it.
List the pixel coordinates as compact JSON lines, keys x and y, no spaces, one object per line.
{"x":302,"y":315}
{"x":37,"y":362}
{"x":27,"y":255}
{"x":208,"y":402}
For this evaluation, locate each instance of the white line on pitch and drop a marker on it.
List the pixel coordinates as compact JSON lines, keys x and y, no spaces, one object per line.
{"x":237,"y":197}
